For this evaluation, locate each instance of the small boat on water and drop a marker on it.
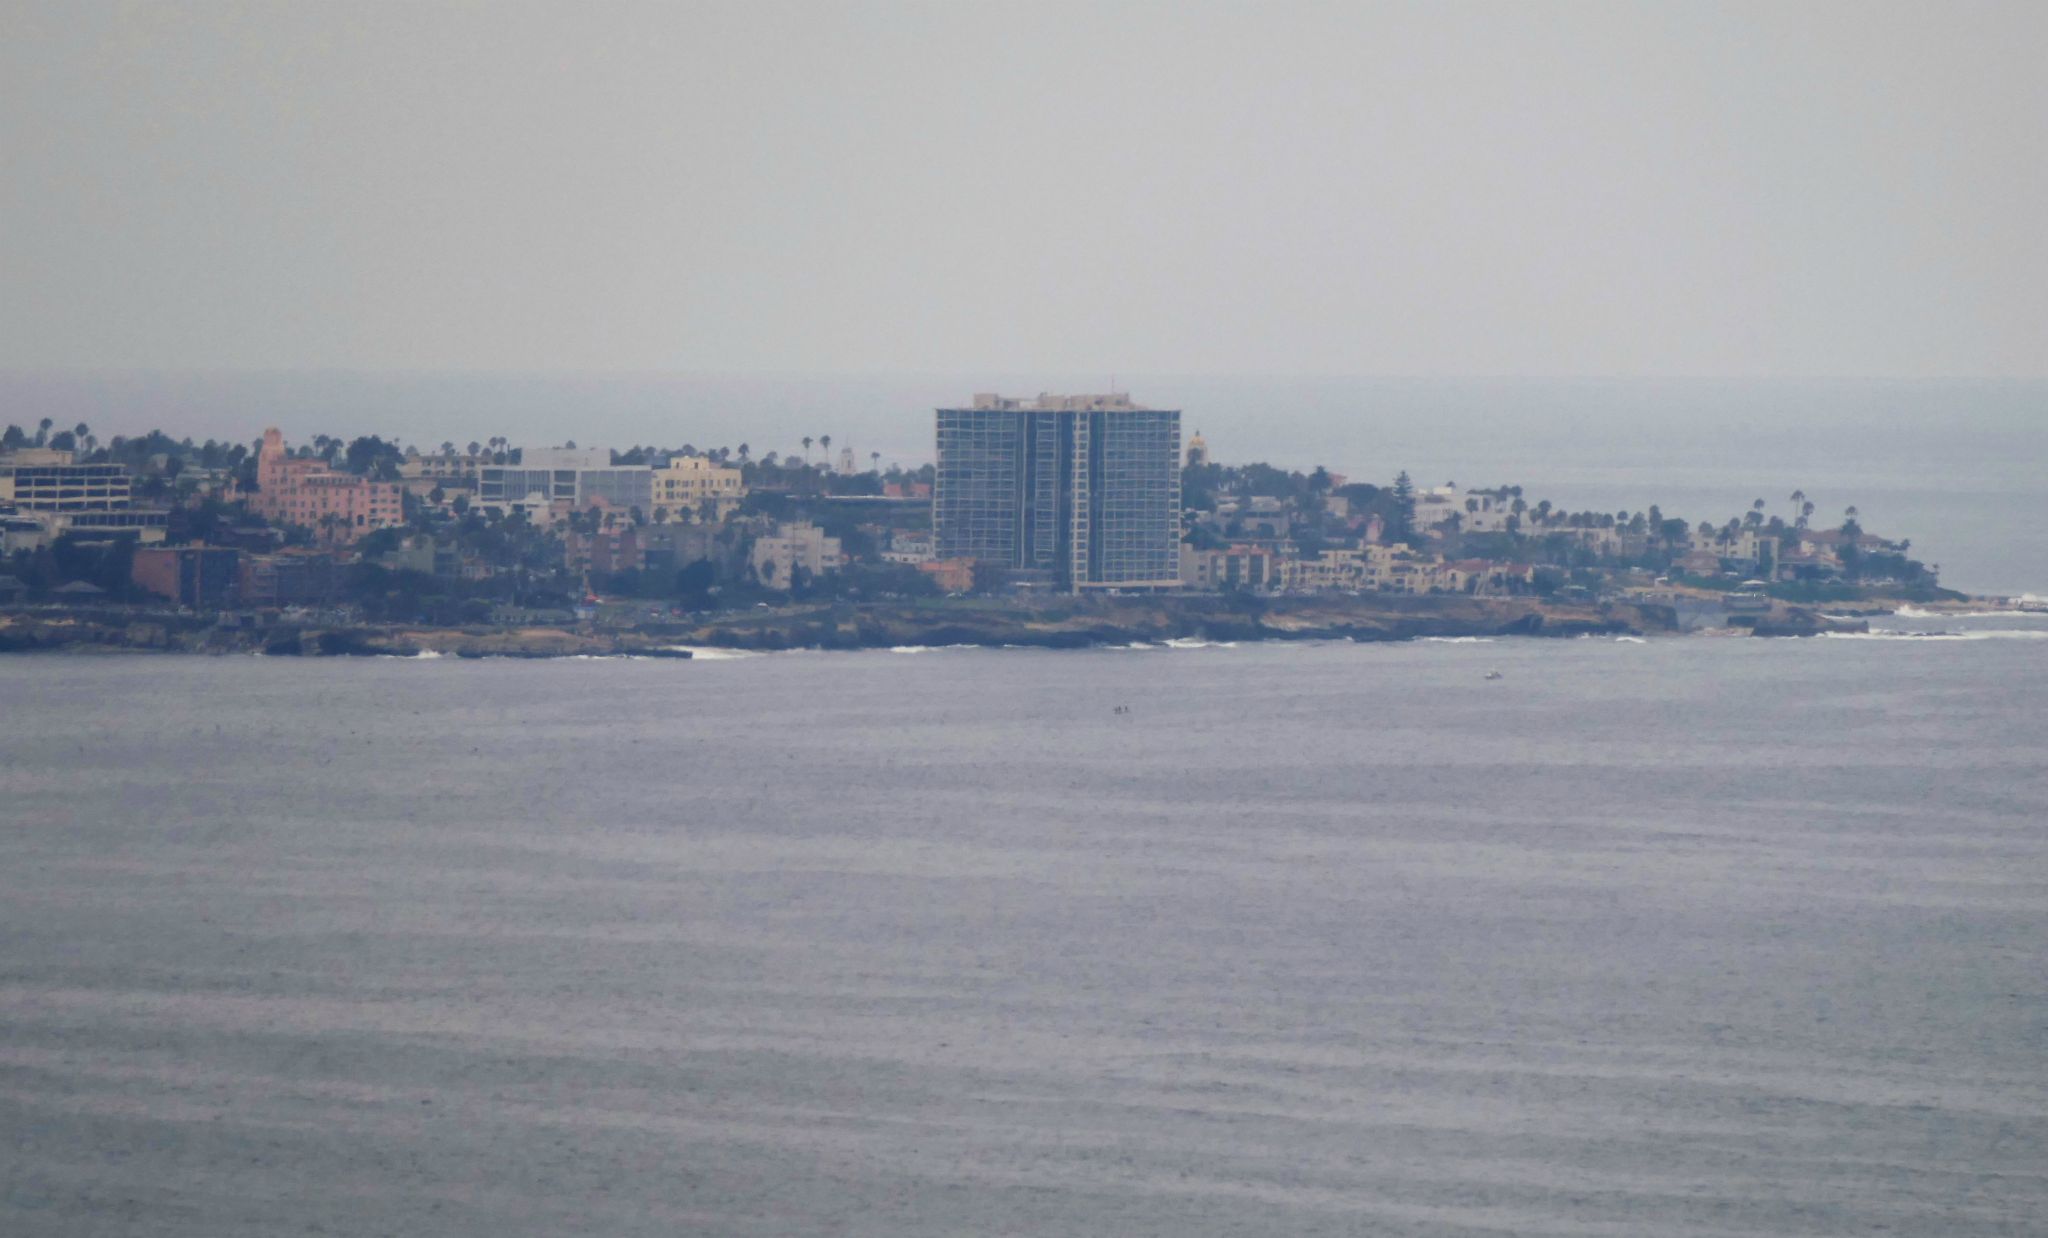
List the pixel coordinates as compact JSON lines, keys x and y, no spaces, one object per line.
{"x":1493,"y":674}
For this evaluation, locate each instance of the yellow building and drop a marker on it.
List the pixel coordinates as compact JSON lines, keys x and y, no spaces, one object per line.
{"x":689,"y":480}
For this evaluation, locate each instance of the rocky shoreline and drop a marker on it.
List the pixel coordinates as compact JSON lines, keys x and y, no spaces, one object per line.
{"x":1048,"y":623}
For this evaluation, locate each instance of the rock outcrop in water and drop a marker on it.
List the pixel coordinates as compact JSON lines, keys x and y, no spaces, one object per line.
{"x":1050,"y":623}
{"x":1062,"y":623}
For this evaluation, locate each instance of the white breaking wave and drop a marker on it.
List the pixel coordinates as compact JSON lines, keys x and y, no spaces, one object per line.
{"x":1982,"y":634}
{"x":1459,"y":640}
{"x":1914,"y":612}
{"x":708,"y":653}
{"x":1630,"y":640}
{"x":911,"y":648}
{"x":1196,"y":642}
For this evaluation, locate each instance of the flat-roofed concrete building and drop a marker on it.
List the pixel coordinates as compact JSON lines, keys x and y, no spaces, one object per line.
{"x":1078,"y":492}
{"x":48,"y":480}
{"x":777,"y":557}
{"x":289,"y":578}
{"x":46,"y":486}
{"x":581,"y":476}
{"x":202,"y":577}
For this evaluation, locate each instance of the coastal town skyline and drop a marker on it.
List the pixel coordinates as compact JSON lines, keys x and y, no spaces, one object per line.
{"x":1074,"y":493}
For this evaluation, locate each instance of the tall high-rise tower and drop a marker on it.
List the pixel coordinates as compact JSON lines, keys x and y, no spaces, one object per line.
{"x":1078,"y":492}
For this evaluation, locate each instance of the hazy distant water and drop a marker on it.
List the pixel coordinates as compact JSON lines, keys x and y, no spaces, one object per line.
{"x":1960,"y":467}
{"x":1692,"y":937}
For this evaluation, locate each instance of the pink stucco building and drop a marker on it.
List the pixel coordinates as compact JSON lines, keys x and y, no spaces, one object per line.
{"x":337,"y":507}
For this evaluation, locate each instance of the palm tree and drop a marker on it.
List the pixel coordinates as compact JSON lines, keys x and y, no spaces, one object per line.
{"x":1806,"y":510}
{"x":1798,"y":497}
{"x":807,"y":448}
{"x":43,"y":432}
{"x":81,"y":431}
{"x":744,"y":451}
{"x":825,"y":441}
{"x":875,"y":461}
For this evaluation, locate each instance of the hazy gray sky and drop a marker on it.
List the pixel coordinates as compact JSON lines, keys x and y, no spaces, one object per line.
{"x":1430,"y":189}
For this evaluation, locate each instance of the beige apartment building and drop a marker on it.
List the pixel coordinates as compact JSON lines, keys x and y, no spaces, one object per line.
{"x":775,"y":558}
{"x":689,"y":480}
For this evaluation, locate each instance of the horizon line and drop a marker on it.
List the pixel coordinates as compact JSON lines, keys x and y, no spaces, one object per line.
{"x":1121,"y":380}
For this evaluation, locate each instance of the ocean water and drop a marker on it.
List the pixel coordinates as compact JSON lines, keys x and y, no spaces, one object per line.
{"x":1695,"y":936}
{"x":1958,"y":467}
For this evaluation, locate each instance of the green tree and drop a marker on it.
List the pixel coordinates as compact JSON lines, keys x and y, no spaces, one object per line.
{"x":1401,"y":521}
{"x":695,"y":581}
{"x":371,"y":456}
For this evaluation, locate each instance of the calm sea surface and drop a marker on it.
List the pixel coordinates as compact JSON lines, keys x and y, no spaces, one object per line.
{"x":1686,"y":937}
